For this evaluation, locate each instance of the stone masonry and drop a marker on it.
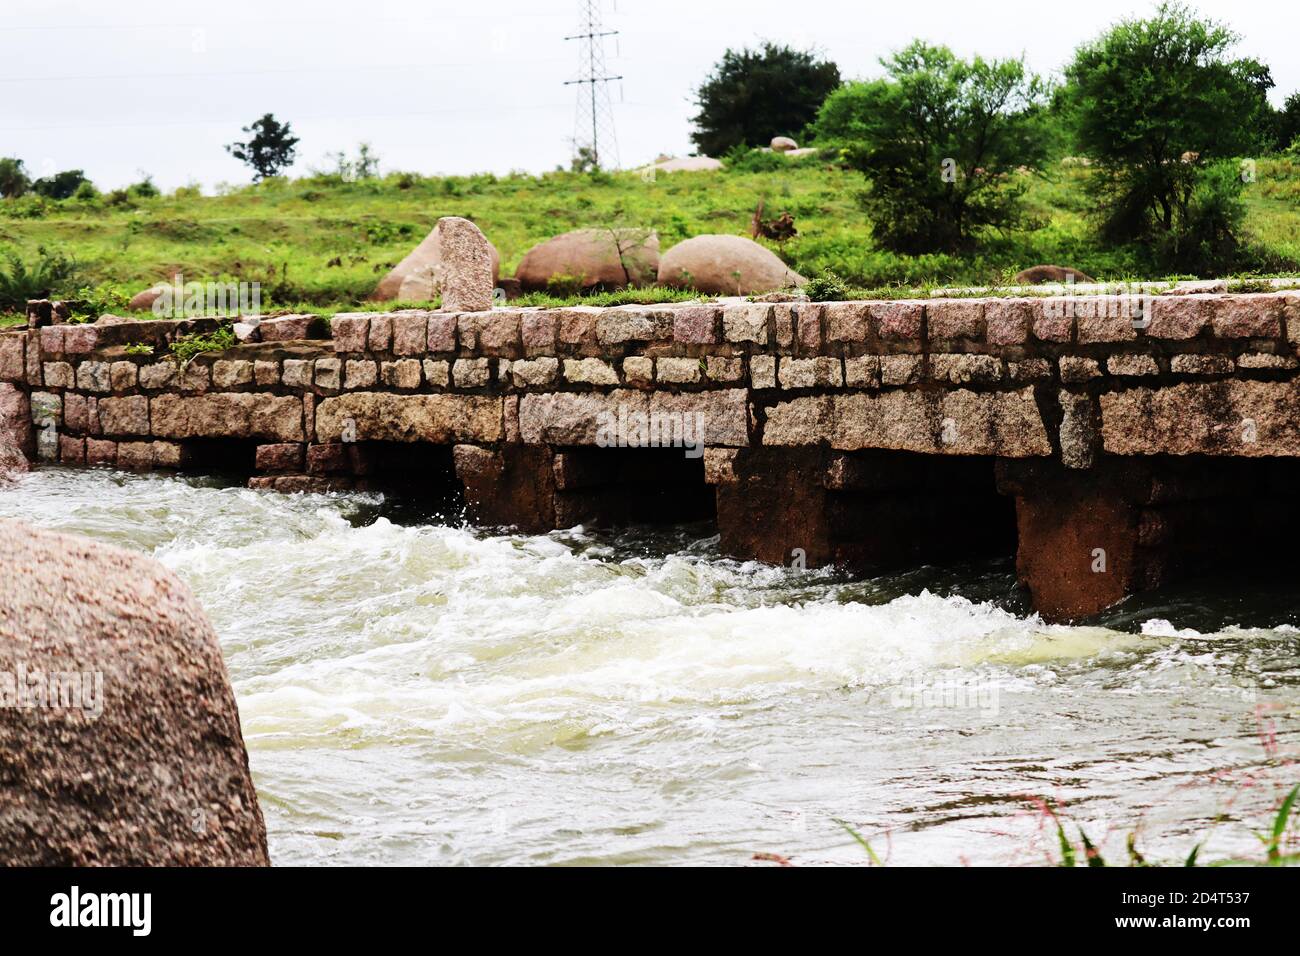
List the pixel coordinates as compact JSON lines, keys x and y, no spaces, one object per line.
{"x":796,"y":409}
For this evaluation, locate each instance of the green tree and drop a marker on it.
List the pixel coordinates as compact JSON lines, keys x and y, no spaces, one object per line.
{"x":1287,"y":122}
{"x":62,"y":185}
{"x":1155,"y":103}
{"x":754,"y":95}
{"x":13,"y":178}
{"x":270,"y":149}
{"x":940,"y":140}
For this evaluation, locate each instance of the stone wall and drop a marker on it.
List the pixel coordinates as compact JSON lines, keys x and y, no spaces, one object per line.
{"x":1076,"y":382}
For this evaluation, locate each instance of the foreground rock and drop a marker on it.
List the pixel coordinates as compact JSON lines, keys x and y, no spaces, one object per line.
{"x":782,"y":144}
{"x":1038,"y":275}
{"x":419,"y":277}
{"x":143,"y":762}
{"x":608,"y":258}
{"x":725,"y":265}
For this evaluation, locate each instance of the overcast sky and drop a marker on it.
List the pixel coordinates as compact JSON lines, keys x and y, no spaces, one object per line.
{"x":159,"y":86}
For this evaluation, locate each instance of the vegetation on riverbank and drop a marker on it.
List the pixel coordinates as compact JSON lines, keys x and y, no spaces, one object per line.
{"x":322,"y":242}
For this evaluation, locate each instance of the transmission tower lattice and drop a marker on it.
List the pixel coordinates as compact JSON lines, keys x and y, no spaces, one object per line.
{"x":593,"y":125}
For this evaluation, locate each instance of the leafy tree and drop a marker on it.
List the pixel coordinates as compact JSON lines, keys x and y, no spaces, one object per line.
{"x":1287,"y":122}
{"x":270,"y":149}
{"x":939,"y":139}
{"x":13,"y":178}
{"x":754,"y":95}
{"x":62,"y":185}
{"x":1155,"y":103}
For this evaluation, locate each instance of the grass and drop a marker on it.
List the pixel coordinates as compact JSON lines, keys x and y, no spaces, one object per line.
{"x":323,"y":243}
{"x":1084,"y":852}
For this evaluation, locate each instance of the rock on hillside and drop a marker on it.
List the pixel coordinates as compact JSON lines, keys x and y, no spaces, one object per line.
{"x":610,"y":258}
{"x":725,"y":265}
{"x":418,"y":277}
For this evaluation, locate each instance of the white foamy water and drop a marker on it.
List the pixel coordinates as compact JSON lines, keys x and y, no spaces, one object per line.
{"x":424,"y":693}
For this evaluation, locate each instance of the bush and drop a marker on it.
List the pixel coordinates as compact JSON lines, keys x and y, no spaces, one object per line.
{"x":826,"y":287}
{"x":1185,"y":106}
{"x":939,"y":140}
{"x":144,"y":189}
{"x":62,"y":185}
{"x":13,"y":178}
{"x":21,"y":282}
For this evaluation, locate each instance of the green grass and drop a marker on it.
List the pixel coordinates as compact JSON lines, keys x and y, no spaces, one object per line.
{"x":323,"y":243}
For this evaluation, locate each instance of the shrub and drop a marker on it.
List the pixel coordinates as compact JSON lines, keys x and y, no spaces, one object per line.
{"x":21,"y":282}
{"x":144,"y":189}
{"x":939,"y":140}
{"x":826,"y":287}
{"x":13,"y":178}
{"x":62,"y":185}
{"x":1184,"y":106}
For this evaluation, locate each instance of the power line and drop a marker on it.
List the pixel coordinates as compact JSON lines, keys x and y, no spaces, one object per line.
{"x":327,"y":117}
{"x":593,"y":117}
{"x":413,"y":67}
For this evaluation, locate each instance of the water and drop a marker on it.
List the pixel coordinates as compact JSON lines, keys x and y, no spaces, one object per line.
{"x":420,"y":692}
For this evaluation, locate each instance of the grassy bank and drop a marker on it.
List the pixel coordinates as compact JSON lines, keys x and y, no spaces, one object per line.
{"x":323,"y":242}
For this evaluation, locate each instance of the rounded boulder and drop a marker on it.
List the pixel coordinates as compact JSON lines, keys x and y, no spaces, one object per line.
{"x":725,"y":265}
{"x":608,"y":258}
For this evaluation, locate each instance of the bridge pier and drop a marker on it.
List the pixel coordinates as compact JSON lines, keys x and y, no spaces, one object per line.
{"x":1089,"y":538}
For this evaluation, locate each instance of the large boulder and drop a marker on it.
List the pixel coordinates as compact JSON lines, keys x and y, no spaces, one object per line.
{"x":418,"y":277}
{"x":783,"y":144}
{"x":725,"y":265}
{"x":688,"y":164}
{"x":120,"y":742}
{"x":143,"y":301}
{"x":609,"y":258}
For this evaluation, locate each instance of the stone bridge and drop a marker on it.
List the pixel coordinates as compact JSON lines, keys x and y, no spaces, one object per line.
{"x":1112,"y":442}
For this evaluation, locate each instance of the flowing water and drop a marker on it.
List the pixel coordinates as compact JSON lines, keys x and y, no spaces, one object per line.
{"x":416,"y":691}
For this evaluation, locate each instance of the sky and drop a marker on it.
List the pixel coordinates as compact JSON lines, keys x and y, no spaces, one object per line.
{"x":159,"y":86}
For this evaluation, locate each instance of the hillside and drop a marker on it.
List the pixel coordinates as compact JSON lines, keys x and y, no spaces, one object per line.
{"x":324,"y":242}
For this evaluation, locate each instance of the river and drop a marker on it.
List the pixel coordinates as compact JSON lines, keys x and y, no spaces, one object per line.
{"x":416,"y":691}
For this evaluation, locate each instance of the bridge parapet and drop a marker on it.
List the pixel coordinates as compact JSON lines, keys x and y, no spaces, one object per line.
{"x":796,"y":409}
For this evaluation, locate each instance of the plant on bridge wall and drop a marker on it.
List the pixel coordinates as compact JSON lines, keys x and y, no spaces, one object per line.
{"x":186,"y":347}
{"x":943,"y":142}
